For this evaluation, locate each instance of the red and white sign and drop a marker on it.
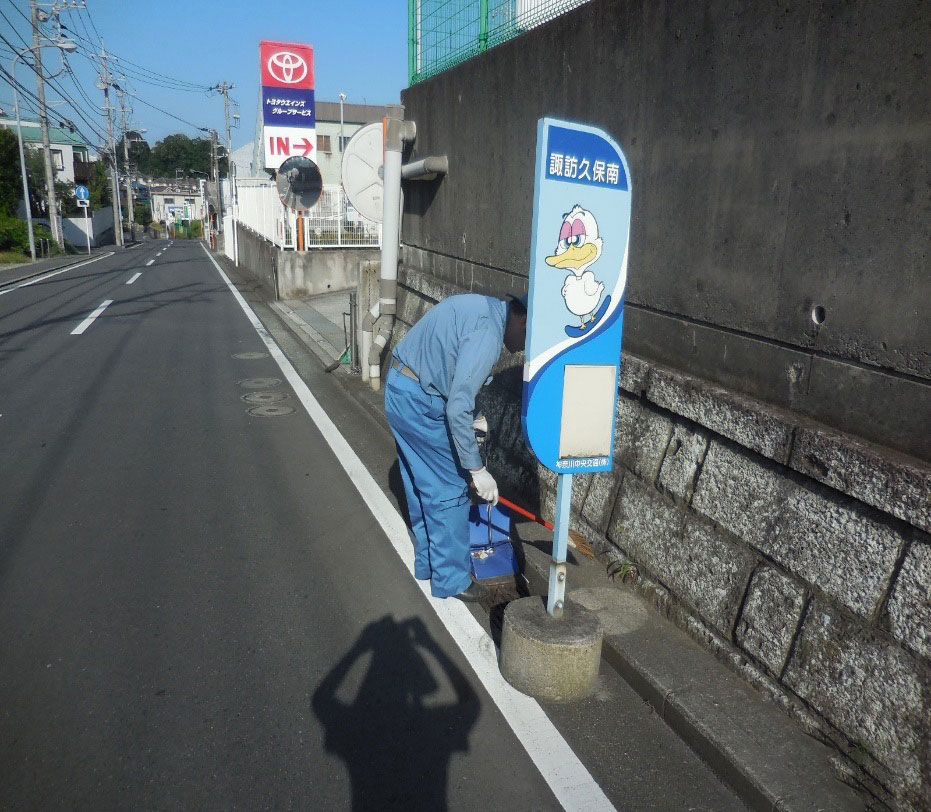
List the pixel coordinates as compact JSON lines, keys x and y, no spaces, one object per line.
{"x":285,"y":64}
{"x":288,"y":68}
{"x":282,"y":143}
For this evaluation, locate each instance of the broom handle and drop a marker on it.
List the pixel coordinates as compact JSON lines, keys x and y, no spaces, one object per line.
{"x":524,"y":512}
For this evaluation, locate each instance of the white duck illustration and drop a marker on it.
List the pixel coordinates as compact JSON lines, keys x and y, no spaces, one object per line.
{"x":579,"y":247}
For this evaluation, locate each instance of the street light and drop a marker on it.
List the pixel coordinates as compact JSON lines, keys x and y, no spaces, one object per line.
{"x":63,"y":45}
{"x":342,"y":98}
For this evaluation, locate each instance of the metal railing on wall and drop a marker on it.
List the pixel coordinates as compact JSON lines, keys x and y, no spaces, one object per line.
{"x":443,"y":33}
{"x":332,"y":223}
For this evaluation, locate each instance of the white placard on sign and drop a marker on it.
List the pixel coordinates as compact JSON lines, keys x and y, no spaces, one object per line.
{"x":282,"y":143}
{"x":83,"y":203}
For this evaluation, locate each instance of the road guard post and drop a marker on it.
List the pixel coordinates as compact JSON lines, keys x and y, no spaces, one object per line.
{"x":83,"y":200}
{"x":578,"y":270}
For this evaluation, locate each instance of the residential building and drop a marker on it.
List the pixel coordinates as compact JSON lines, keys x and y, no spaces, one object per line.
{"x":70,"y":154}
{"x":182,"y":199}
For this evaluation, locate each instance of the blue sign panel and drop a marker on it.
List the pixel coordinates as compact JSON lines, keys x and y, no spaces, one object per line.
{"x":81,"y":193}
{"x":288,"y":107}
{"x":578,"y":271}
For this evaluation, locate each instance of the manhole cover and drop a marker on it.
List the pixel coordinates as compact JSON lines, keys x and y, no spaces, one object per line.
{"x":259,"y":383}
{"x":250,"y":356}
{"x":264,"y":397}
{"x":270,"y":411}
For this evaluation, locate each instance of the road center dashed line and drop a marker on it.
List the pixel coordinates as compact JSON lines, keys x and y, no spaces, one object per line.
{"x":569,"y":779}
{"x":79,"y":330}
{"x":133,"y":278}
{"x":149,"y":262}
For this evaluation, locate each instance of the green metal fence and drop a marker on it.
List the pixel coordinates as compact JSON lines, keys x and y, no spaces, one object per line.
{"x":443,"y":33}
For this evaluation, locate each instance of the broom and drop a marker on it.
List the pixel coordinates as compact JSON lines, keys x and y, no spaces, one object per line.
{"x":576,"y":542}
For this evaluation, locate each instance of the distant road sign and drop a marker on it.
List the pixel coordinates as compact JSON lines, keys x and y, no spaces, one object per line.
{"x":82,"y":193}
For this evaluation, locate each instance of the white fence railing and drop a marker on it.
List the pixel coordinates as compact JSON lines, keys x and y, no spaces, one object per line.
{"x":332,"y":223}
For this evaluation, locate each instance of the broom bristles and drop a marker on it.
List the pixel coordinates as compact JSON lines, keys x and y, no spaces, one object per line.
{"x":580,"y":545}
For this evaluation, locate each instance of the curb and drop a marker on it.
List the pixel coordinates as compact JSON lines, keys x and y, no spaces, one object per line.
{"x":748,"y":742}
{"x":73,"y":259}
{"x":314,"y":341}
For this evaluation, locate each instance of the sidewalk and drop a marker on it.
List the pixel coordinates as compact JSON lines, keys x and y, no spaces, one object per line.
{"x":319,"y":322}
{"x":747,"y":741}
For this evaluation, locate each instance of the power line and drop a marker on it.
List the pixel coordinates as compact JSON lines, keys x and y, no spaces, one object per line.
{"x":13,"y":28}
{"x":165,"y":112}
{"x":152,"y":76}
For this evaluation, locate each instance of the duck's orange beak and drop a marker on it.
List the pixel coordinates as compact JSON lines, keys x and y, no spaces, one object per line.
{"x":575,"y":256}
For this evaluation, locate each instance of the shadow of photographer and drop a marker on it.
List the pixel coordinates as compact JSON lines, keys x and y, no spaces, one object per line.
{"x":397,"y":724}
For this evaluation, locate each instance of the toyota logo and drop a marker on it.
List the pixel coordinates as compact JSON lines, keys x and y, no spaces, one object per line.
{"x":287,"y":67}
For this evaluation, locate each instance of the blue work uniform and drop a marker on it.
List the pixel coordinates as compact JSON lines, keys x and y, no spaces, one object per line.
{"x":451,"y":351}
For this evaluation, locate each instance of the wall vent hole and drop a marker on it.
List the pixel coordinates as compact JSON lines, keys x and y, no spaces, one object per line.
{"x":818,"y":314}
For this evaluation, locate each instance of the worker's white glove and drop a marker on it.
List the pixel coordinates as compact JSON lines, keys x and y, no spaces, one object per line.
{"x":485,"y":485}
{"x":480,"y":427}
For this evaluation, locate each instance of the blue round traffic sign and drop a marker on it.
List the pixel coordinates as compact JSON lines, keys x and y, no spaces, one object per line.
{"x":81,"y":193}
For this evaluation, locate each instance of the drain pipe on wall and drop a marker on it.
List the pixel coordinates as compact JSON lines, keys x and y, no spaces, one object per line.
{"x":378,"y":323}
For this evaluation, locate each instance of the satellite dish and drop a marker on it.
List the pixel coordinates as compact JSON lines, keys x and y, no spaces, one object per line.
{"x":299,"y":183}
{"x":363,"y":171}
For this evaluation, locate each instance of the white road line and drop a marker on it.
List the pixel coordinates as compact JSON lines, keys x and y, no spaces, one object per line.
{"x":90,"y":319}
{"x":568,"y":778}
{"x":133,"y":278}
{"x":149,"y":263}
{"x":54,"y":273}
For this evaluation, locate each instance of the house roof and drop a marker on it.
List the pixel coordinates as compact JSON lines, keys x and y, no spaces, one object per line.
{"x":32,"y":134}
{"x":352,"y":113}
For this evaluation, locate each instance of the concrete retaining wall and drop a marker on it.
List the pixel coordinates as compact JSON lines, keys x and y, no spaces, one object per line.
{"x":776,"y":153}
{"x":771,"y":489}
{"x":298,"y":275}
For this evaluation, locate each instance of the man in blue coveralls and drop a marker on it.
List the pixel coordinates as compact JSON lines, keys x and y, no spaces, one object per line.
{"x":436,"y":372}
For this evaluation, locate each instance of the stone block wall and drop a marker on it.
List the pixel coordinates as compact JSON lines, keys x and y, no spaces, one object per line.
{"x":798,"y":554}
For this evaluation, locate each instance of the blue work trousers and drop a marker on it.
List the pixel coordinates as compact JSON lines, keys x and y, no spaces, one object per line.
{"x":435,"y":485}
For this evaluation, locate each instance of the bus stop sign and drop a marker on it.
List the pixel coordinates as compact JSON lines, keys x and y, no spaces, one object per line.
{"x":578,"y":270}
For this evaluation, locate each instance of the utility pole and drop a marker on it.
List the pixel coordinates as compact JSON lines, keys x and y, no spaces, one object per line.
{"x":104,"y":85}
{"x":215,"y":171}
{"x":129,"y":183}
{"x":54,"y":220}
{"x":224,"y":88}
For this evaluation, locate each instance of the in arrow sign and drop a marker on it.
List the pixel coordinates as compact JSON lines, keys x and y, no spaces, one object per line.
{"x":304,"y":145}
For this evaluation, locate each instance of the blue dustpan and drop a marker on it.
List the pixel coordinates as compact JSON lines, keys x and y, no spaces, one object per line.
{"x":490,"y":548}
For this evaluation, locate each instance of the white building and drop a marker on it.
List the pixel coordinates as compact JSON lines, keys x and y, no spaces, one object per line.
{"x":69,"y":151}
{"x":173,"y":200}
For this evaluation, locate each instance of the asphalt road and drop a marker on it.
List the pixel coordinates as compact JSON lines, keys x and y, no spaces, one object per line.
{"x":196,"y":611}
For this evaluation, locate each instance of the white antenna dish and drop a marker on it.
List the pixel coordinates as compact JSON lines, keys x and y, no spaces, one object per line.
{"x":363,"y":171}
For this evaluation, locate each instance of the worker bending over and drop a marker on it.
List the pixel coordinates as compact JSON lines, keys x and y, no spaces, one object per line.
{"x":436,"y":372}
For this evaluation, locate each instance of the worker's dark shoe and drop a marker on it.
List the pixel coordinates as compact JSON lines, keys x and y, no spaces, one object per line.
{"x":473,"y":594}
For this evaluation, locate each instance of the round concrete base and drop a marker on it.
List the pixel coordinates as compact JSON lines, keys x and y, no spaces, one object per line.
{"x":552,"y":660}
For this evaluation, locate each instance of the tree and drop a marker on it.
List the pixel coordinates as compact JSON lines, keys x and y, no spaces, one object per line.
{"x":11,"y":182}
{"x":99,"y":186}
{"x":138,"y":148}
{"x":11,"y":178}
{"x":175,"y":152}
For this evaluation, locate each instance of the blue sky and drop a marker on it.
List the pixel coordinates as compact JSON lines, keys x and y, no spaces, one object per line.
{"x":360,"y":49}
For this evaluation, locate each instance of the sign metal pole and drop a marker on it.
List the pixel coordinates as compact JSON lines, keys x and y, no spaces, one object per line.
{"x":87,"y":230}
{"x":556,"y":594}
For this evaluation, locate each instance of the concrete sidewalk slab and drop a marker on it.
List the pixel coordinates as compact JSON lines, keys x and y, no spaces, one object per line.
{"x":746,"y":740}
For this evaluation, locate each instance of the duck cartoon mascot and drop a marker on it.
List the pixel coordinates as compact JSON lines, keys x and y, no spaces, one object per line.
{"x":578,"y":248}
